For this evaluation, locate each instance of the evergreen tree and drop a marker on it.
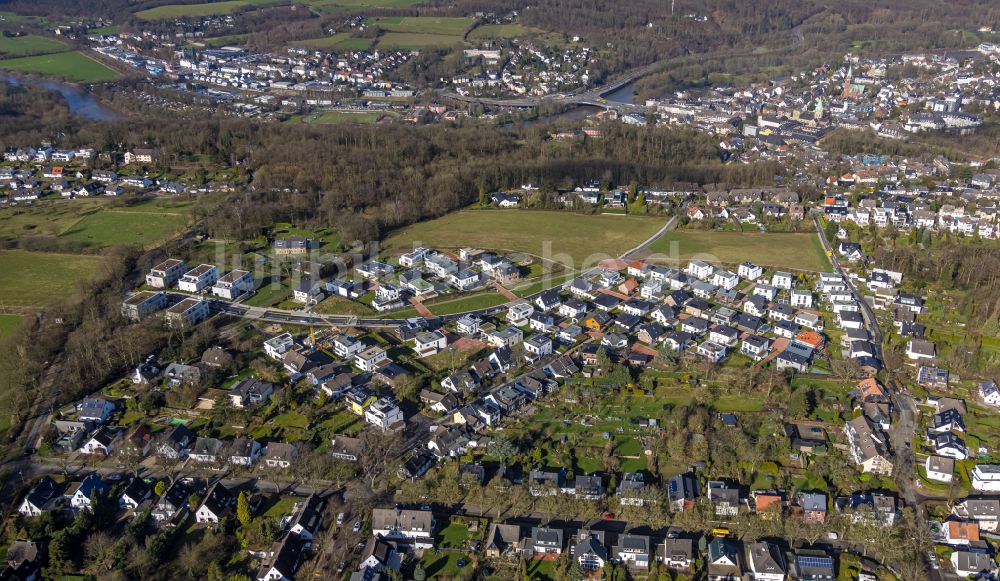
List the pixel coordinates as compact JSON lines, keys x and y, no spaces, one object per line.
{"x":243,"y":509}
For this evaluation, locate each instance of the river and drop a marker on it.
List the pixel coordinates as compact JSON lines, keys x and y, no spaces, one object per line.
{"x":78,"y":100}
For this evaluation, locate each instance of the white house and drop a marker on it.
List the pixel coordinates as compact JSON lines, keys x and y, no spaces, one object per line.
{"x":986,"y":477}
{"x":802,"y":299}
{"x":939,"y":468}
{"x":198,"y":278}
{"x":989,"y":394}
{"x":782,"y":280}
{"x":277,"y":346}
{"x":749,"y":271}
{"x":725,"y":279}
{"x":429,"y":343}
{"x":233,"y":284}
{"x":369,"y":359}
{"x":700,"y":269}
{"x":384,"y":414}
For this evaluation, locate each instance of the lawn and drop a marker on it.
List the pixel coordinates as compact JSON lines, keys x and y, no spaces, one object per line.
{"x":32,"y":279}
{"x":575,"y":240}
{"x":502,"y":31}
{"x":442,"y":565}
{"x":73,"y":66}
{"x":29,"y":44}
{"x":170,"y":11}
{"x":115,"y":227}
{"x":542,"y":570}
{"x":418,"y":40}
{"x":9,"y":325}
{"x":797,"y":251}
{"x":454,"y":536}
{"x":423,"y":24}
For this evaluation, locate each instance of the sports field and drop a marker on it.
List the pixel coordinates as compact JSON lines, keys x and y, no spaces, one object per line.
{"x":417,"y":40}
{"x":73,"y":66}
{"x":29,"y":44}
{"x":423,"y":24}
{"x":169,"y":11}
{"x":798,"y":251}
{"x":572,"y":239}
{"x":33,"y":279}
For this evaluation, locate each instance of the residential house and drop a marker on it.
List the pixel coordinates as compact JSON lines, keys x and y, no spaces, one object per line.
{"x":250,"y":392}
{"x":217,"y":504}
{"x":408,"y":527}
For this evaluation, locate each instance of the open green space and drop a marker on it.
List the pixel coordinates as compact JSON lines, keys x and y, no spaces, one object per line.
{"x":338,"y":117}
{"x":29,"y":44}
{"x":326,"y":41}
{"x":796,"y":251}
{"x":9,"y":325}
{"x":169,"y":11}
{"x":512,"y":30}
{"x":32,"y":279}
{"x":73,"y":66}
{"x":115,"y":227}
{"x":472,"y":302}
{"x":47,"y":220}
{"x":572,"y":239}
{"x":418,"y":40}
{"x":423,"y":24}
{"x":321,"y":4}
{"x":230,"y":39}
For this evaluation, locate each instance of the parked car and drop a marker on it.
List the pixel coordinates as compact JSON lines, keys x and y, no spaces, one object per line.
{"x":357,"y":527}
{"x":340,"y":518}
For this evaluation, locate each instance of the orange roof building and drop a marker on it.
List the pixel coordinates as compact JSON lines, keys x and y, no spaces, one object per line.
{"x":810,"y":339}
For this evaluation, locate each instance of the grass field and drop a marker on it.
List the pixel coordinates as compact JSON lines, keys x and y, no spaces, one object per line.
{"x":50,"y":220}
{"x":169,"y":11}
{"x":418,"y":40}
{"x":572,"y":239}
{"x":114,"y":227}
{"x":362,"y":3}
{"x":8,"y":325}
{"x":231,"y":39}
{"x":423,"y":24}
{"x":331,"y":41}
{"x":472,"y":302}
{"x":338,"y":117}
{"x":73,"y":66}
{"x":33,"y":279}
{"x":502,"y":31}
{"x":29,"y":44}
{"x":798,"y":251}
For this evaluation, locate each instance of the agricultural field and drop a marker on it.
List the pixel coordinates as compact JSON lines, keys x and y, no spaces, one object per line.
{"x":28,"y":45}
{"x":72,"y":66}
{"x":796,"y":251}
{"x":170,"y":11}
{"x":423,"y":24}
{"x":503,"y":31}
{"x":36,"y":278}
{"x":418,"y":40}
{"x":574,"y":239}
{"x":9,"y":325}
